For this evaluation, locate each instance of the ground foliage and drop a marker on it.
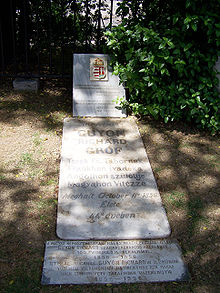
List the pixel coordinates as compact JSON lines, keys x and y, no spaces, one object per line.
{"x":165,"y":53}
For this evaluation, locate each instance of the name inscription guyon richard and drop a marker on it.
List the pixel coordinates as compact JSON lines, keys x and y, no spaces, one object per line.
{"x":106,"y":182}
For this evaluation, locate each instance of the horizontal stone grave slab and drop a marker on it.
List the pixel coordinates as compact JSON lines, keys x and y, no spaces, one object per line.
{"x":23,"y":84}
{"x":95,"y":88}
{"x":107,"y":189}
{"x":86,"y":262}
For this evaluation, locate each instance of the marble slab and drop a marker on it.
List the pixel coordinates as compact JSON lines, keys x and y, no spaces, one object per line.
{"x":22,"y":84}
{"x":101,"y":262}
{"x":107,"y":189}
{"x":93,"y":96}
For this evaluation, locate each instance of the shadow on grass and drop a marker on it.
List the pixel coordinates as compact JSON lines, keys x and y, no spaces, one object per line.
{"x":49,"y":104}
{"x":186,"y":164}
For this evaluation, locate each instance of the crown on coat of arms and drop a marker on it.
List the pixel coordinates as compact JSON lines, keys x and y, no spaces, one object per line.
{"x":98,"y":62}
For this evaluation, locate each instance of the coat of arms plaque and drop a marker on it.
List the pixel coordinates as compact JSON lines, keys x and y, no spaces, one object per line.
{"x":98,"y":69}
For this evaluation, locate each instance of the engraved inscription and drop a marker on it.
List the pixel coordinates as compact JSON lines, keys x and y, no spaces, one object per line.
{"x":95,"y":88}
{"x":106,"y":183}
{"x":113,"y":262}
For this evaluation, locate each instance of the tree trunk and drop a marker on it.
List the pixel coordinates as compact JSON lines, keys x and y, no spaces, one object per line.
{"x":7,"y":32}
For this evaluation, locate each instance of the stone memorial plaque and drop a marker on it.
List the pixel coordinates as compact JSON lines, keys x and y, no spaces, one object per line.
{"x":100,"y":262}
{"x":95,"y":88}
{"x":23,"y":84}
{"x":107,"y":189}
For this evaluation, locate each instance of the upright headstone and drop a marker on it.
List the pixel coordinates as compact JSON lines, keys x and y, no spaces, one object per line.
{"x":107,"y":189}
{"x":95,"y":88}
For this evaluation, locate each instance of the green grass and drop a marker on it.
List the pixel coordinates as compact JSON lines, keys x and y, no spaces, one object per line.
{"x":214,"y":161}
{"x":35,"y":172}
{"x":158,"y":169}
{"x":185,"y":145}
{"x":194,"y":211}
{"x":37,"y":140}
{"x":48,"y":182}
{"x":2,"y":177}
{"x":26,"y":159}
{"x":177,"y":199}
{"x":45,"y":203}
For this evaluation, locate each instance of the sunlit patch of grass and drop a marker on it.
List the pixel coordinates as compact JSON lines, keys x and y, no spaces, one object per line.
{"x":29,"y":166}
{"x":214,"y":161}
{"x":158,"y":169}
{"x":195,"y":207}
{"x":44,"y":207}
{"x":45,"y":203}
{"x":185,"y":145}
{"x":192,"y":208}
{"x":37,"y":140}
{"x":44,"y":219}
{"x":177,"y":199}
{"x":35,"y":173}
{"x":59,"y":116}
{"x":48,"y":182}
{"x":26,"y":159}
{"x":2,"y":176}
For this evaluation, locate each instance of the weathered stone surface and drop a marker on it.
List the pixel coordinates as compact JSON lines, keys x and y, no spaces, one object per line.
{"x":93,"y":97}
{"x":26,"y":84}
{"x":107,"y":189}
{"x":81,"y":262}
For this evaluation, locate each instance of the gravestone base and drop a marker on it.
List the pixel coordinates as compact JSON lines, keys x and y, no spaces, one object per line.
{"x":101,"y":262}
{"x":22,"y":84}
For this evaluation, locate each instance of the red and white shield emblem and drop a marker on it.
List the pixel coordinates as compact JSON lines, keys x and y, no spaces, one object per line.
{"x":98,"y":69}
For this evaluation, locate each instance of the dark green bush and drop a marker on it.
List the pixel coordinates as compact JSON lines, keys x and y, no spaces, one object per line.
{"x":168,"y":64}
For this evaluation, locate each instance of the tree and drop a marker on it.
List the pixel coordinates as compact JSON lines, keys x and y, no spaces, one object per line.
{"x":7,"y":29}
{"x":165,"y":52}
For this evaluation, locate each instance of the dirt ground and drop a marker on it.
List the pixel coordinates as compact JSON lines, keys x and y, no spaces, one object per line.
{"x":185,"y":162}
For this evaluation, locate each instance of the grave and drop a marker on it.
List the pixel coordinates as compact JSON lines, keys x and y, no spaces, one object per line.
{"x":101,"y":262}
{"x":107,"y":189}
{"x":108,"y":197}
{"x":22,"y":84}
{"x":95,"y":88}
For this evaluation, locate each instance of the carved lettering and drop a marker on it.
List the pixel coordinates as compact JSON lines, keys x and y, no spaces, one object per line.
{"x":108,"y":150}
{"x":113,"y":195}
{"x":89,"y":184}
{"x":98,"y":132}
{"x":112,"y":261}
{"x":120,"y":176}
{"x":106,"y":183}
{"x":109,"y":204}
{"x":94,"y":217}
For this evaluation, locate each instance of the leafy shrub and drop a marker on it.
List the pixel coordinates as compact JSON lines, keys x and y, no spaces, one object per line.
{"x":168,"y":64}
